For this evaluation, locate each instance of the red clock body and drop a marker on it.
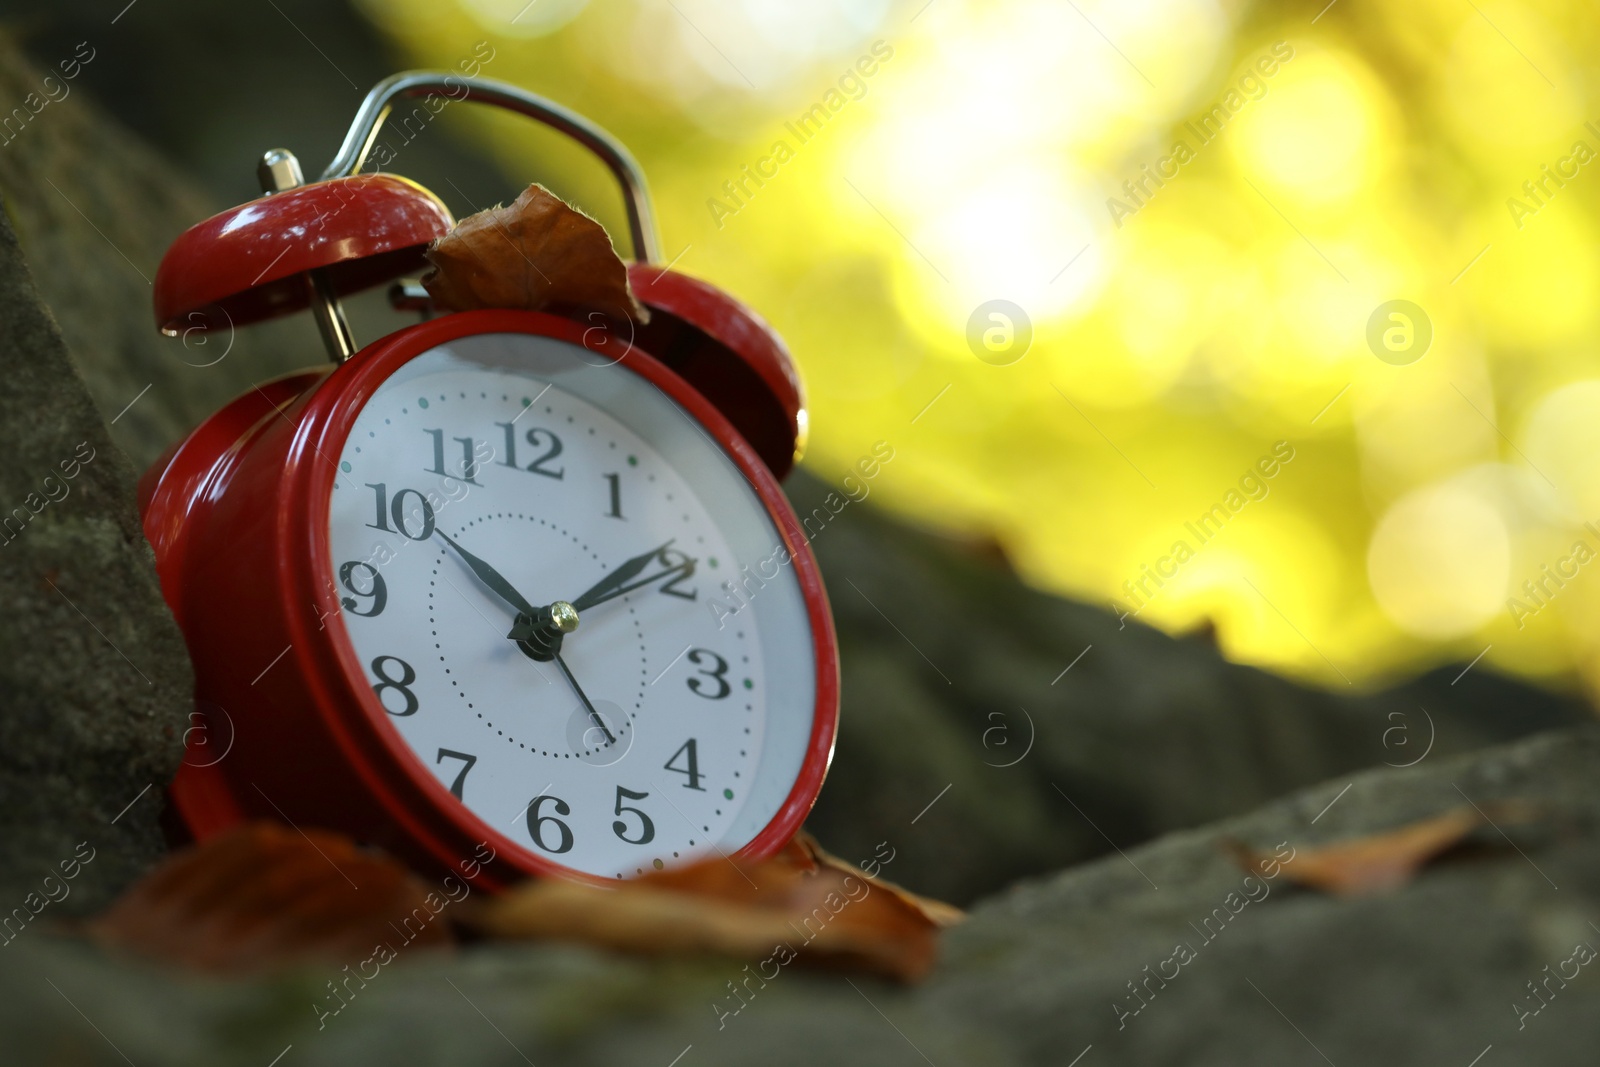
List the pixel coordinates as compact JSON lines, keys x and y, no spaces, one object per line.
{"x":348,"y":688}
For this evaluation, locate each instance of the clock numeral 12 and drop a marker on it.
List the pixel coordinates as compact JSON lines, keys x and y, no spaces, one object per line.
{"x":469,"y":465}
{"x":538,"y":466}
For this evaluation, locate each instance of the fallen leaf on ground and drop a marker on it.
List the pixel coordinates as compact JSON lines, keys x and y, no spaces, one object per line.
{"x":935,"y":911}
{"x":1363,"y":866}
{"x":537,"y":254}
{"x":823,"y":911}
{"x":264,"y":896}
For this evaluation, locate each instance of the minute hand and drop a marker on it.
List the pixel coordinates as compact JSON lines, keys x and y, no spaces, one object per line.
{"x":491,"y":578}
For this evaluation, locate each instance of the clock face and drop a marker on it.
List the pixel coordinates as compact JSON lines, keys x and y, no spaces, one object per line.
{"x":499,"y":488}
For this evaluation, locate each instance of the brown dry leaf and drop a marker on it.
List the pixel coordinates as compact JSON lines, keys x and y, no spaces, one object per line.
{"x":935,"y":911}
{"x":264,"y":896}
{"x":1364,"y":866}
{"x":538,"y":254}
{"x":821,"y":910}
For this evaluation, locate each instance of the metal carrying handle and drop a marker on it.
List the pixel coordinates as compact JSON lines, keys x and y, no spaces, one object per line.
{"x":414,"y":83}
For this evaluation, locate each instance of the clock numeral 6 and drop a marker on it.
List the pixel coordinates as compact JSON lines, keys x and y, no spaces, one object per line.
{"x":401,"y":684}
{"x":397,"y":509}
{"x":378,"y":594}
{"x":703,"y":689}
{"x":536,"y":823}
{"x":533,"y":436}
{"x":647,"y":829}
{"x":461,"y":779}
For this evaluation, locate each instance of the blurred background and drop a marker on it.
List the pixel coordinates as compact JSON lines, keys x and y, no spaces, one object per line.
{"x":1199,"y":215}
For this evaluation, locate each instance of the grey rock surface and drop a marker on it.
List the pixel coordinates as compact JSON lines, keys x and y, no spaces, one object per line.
{"x":94,"y":679}
{"x":95,"y":209}
{"x":1436,"y":972}
{"x":952,"y":665}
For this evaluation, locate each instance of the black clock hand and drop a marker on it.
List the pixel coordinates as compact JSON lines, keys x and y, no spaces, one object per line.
{"x":491,"y":578}
{"x":576,"y":688}
{"x":589,"y":600}
{"x":617,"y":576}
{"x":613,"y":585}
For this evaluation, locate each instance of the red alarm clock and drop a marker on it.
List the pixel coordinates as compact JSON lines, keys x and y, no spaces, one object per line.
{"x":499,"y":576}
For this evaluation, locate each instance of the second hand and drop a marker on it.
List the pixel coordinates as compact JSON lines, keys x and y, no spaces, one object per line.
{"x":593,"y":714}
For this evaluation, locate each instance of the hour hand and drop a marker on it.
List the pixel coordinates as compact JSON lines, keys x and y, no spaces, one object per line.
{"x":491,"y":578}
{"x":626,"y":578}
{"x":616,"y":577}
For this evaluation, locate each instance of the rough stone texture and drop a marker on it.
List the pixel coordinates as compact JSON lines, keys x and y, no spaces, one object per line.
{"x":95,"y":210}
{"x":94,"y":681}
{"x":948,"y":658}
{"x":1429,"y":974}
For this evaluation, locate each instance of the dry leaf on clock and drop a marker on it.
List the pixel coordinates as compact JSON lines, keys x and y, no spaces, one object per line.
{"x":800,"y":905}
{"x":264,"y":896}
{"x":538,"y":254}
{"x":1377,"y":863}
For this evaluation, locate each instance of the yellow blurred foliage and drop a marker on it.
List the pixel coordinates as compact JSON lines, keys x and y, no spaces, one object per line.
{"x":1201,"y":206}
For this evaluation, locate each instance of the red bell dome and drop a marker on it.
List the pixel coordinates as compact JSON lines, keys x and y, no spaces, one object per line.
{"x":730,"y":355}
{"x":246,"y":264}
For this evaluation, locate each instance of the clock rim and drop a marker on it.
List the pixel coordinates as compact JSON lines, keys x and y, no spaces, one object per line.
{"x":330,"y":414}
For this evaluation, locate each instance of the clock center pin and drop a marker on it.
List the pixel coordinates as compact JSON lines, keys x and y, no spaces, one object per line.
{"x":563,"y":616}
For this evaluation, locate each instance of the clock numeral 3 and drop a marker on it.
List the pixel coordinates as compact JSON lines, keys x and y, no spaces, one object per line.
{"x":461,"y":779}
{"x":378,"y":594}
{"x":647,"y":829}
{"x":536,"y":823}
{"x":401,"y":684}
{"x":533,"y":436}
{"x":469,"y":465}
{"x":700,"y":688}
{"x":690,"y":751}
{"x":397,"y":510}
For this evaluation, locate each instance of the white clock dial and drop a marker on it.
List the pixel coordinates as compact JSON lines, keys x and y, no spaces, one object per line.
{"x":503,"y":472}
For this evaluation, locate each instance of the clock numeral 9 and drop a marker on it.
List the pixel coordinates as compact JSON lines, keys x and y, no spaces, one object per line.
{"x":538,"y":465}
{"x":700,"y":688}
{"x":536,"y":823}
{"x":647,"y":829}
{"x":397,"y":509}
{"x":401,"y":684}
{"x":378,"y":594}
